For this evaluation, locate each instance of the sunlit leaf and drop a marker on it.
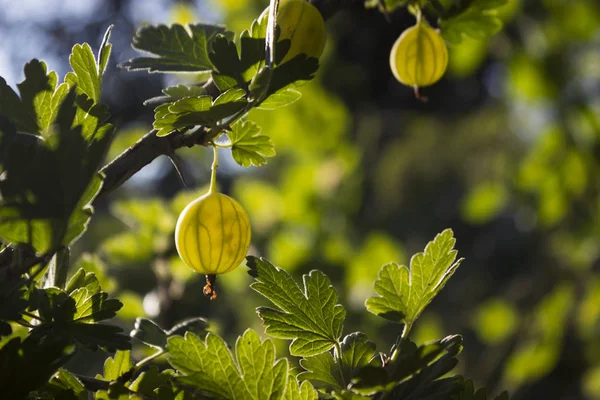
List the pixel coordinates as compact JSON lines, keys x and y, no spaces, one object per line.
{"x":404,"y":292}
{"x":309,"y":316}
{"x":249,"y":147}
{"x":209,"y":366}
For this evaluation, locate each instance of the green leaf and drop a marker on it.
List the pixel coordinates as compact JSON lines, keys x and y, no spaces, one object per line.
{"x":248,"y":146}
{"x":174,"y":93}
{"x":83,"y":279}
{"x":105,"y":49}
{"x":295,"y":72}
{"x":86,"y":78}
{"x":296,"y":391}
{"x":40,"y":99}
{"x":209,"y":366}
{"x":478,"y":21}
{"x":63,"y":384}
{"x":33,"y":210}
{"x":321,"y":370}
{"x":85,"y":73}
{"x":357,"y":352}
{"x":188,"y":112}
{"x":91,"y":303}
{"x":403,"y":292}
{"x":72,"y":313}
{"x":177,"y":48}
{"x":94,"y":307}
{"x":281,"y":98}
{"x":120,"y":364}
{"x":309,"y":316}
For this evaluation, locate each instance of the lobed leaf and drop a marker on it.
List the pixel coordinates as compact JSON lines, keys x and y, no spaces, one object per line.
{"x":403,"y":293}
{"x":209,"y":366}
{"x":187,"y":112}
{"x":120,"y":364}
{"x":248,"y":146}
{"x":296,"y":391}
{"x":176,"y":48}
{"x":309,"y":316}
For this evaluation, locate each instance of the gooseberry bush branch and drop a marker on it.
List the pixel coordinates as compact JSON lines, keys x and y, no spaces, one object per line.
{"x":55,"y":134}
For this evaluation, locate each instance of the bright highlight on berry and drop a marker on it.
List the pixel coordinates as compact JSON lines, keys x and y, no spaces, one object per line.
{"x":212,"y":235}
{"x":419,"y":56}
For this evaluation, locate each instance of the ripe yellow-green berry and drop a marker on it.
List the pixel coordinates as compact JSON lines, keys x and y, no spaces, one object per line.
{"x":213,"y":234}
{"x":419,"y":56}
{"x":303,"y":25}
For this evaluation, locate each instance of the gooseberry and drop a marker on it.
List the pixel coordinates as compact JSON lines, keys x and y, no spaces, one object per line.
{"x":419,"y":56}
{"x":303,"y":25}
{"x":212,"y":235}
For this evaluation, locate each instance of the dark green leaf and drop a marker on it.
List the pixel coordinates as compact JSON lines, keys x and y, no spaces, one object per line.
{"x":468,"y":392}
{"x":33,"y":210}
{"x":248,"y":146}
{"x":309,"y":316}
{"x":224,"y":57}
{"x":150,"y":380}
{"x":93,"y":336}
{"x":296,"y":71}
{"x":403,"y":292}
{"x":177,"y":48}
{"x":197,"y":325}
{"x":413,"y":372}
{"x":209,"y":366}
{"x":12,"y":302}
{"x":27,"y":365}
{"x":252,"y":44}
{"x":150,"y":333}
{"x":357,"y":352}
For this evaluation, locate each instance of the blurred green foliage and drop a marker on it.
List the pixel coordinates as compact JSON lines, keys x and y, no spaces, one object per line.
{"x":506,"y":153}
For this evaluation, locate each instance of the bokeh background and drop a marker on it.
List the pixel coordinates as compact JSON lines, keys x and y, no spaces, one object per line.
{"x":506,"y":152}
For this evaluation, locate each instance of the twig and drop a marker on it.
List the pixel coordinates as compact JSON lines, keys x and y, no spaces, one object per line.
{"x":144,"y":152}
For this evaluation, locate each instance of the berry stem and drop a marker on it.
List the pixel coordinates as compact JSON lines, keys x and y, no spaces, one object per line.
{"x":213,"y":175}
